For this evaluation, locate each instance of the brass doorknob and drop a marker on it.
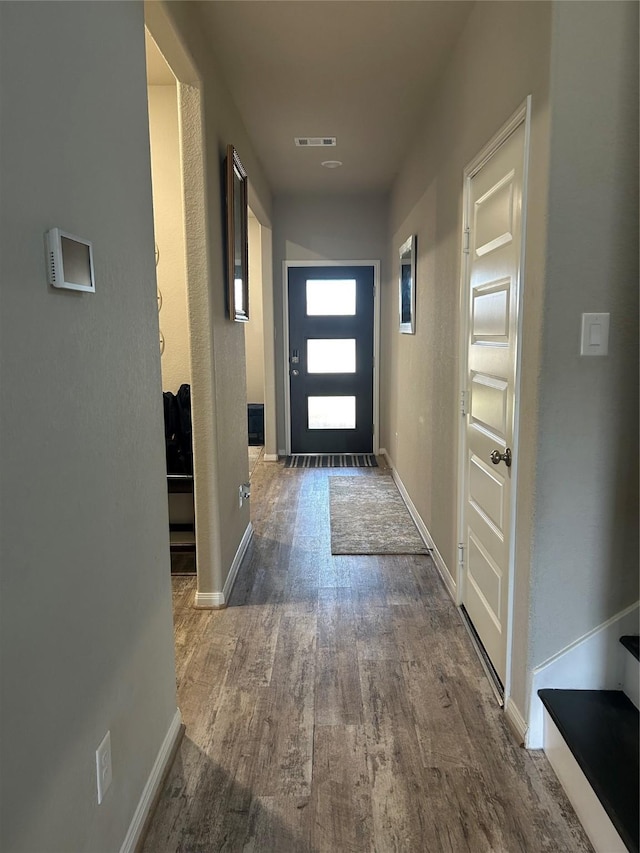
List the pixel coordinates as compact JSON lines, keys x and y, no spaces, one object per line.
{"x":497,"y":457}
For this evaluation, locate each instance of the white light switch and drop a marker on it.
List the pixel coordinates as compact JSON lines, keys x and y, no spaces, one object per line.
{"x":595,"y":334}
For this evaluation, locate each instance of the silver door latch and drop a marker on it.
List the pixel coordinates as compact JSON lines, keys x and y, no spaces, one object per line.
{"x":497,"y":457}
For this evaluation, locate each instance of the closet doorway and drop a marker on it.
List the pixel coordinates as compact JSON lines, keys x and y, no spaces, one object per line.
{"x":254,"y":347}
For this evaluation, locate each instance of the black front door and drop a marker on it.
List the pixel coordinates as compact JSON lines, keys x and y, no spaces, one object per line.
{"x":331,"y":359}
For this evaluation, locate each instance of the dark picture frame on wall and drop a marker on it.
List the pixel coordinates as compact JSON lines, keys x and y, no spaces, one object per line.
{"x":237,"y":237}
{"x":407,"y":286}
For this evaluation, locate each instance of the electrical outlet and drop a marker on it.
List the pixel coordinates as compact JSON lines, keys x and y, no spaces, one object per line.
{"x":103,"y":766}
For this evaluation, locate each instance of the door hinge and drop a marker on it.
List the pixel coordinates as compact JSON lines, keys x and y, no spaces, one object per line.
{"x":373,"y":429}
{"x":466,"y":239}
{"x":463,"y":403}
{"x":461,"y":553}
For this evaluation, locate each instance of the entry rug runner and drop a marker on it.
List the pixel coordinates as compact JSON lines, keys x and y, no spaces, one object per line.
{"x":335,"y":460}
{"x":368,"y":516}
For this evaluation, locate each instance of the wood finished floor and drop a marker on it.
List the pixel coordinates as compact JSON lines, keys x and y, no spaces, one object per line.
{"x":337,"y":705}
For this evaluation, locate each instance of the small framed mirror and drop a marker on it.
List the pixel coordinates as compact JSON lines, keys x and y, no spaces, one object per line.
{"x":407,"y":286}
{"x":237,"y":238}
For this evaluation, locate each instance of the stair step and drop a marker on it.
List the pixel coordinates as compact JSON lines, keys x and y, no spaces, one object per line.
{"x":600,"y":727}
{"x":632,"y":643}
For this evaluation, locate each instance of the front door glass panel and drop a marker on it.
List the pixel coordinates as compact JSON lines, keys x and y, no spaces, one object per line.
{"x":332,"y":412}
{"x":337,"y":355}
{"x":331,"y":297}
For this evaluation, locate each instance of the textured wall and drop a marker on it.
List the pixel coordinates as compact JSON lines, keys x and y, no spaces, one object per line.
{"x":585,"y":563}
{"x":86,"y":624}
{"x":329,"y":228}
{"x":420,"y":419}
{"x":168,"y":216}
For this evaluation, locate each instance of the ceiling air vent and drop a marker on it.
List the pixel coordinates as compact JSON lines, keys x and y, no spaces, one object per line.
{"x":315,"y":141}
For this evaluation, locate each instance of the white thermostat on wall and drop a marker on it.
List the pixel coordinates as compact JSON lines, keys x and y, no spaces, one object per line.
{"x":69,"y":261}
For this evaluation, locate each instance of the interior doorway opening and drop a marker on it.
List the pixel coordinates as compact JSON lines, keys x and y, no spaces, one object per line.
{"x":254,"y":346}
{"x":173,"y":320}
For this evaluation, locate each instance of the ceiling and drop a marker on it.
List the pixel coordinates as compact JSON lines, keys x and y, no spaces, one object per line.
{"x":359,"y":70}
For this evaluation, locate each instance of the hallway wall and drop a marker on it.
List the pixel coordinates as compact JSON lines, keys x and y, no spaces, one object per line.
{"x":420,"y":419}
{"x":327,"y":227}
{"x":86,"y":638}
{"x":577,"y":504}
{"x":585,"y":542}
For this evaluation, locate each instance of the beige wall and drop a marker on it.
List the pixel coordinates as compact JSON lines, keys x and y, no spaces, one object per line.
{"x":577,"y":552}
{"x":217,"y":344}
{"x":585,"y":544}
{"x":501,"y":57}
{"x":168,"y":216}
{"x":86,"y":640}
{"x":253,"y":330}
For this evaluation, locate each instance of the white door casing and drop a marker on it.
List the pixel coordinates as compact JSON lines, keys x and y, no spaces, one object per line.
{"x":489,"y":349}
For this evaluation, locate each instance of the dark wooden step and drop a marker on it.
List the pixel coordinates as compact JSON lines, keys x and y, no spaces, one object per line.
{"x":632,"y":643}
{"x":600,"y":727}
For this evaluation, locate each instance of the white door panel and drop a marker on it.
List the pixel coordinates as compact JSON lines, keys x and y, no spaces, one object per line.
{"x":493,"y":279}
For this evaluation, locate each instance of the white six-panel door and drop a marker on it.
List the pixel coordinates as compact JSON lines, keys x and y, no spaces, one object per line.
{"x":494,"y":212}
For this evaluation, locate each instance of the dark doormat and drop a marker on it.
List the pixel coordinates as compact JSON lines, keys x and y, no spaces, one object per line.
{"x":183,"y":562}
{"x":334,"y":460}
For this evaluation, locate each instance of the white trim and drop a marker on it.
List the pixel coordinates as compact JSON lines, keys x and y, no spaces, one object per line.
{"x":591,"y":814}
{"x":160,"y":766}
{"x":376,"y":341}
{"x":441,"y":566}
{"x":517,"y":391}
{"x":515,"y":720}
{"x":285,"y":357}
{"x":376,"y":357}
{"x":209,"y":600}
{"x":217,"y":600}
{"x":237,"y":562}
{"x":269,"y":457}
{"x":631,"y":678}
{"x":521,"y":115}
{"x":594,"y":661}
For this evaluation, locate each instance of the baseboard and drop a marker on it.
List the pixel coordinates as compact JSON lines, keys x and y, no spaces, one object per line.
{"x":269,"y":457}
{"x":591,"y":814}
{"x":209,"y":601}
{"x":237,"y":562}
{"x":515,"y":721}
{"x":594,"y":661}
{"x":441,"y":566}
{"x":160,"y":767}
{"x":218,"y":600}
{"x":631,"y":678}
